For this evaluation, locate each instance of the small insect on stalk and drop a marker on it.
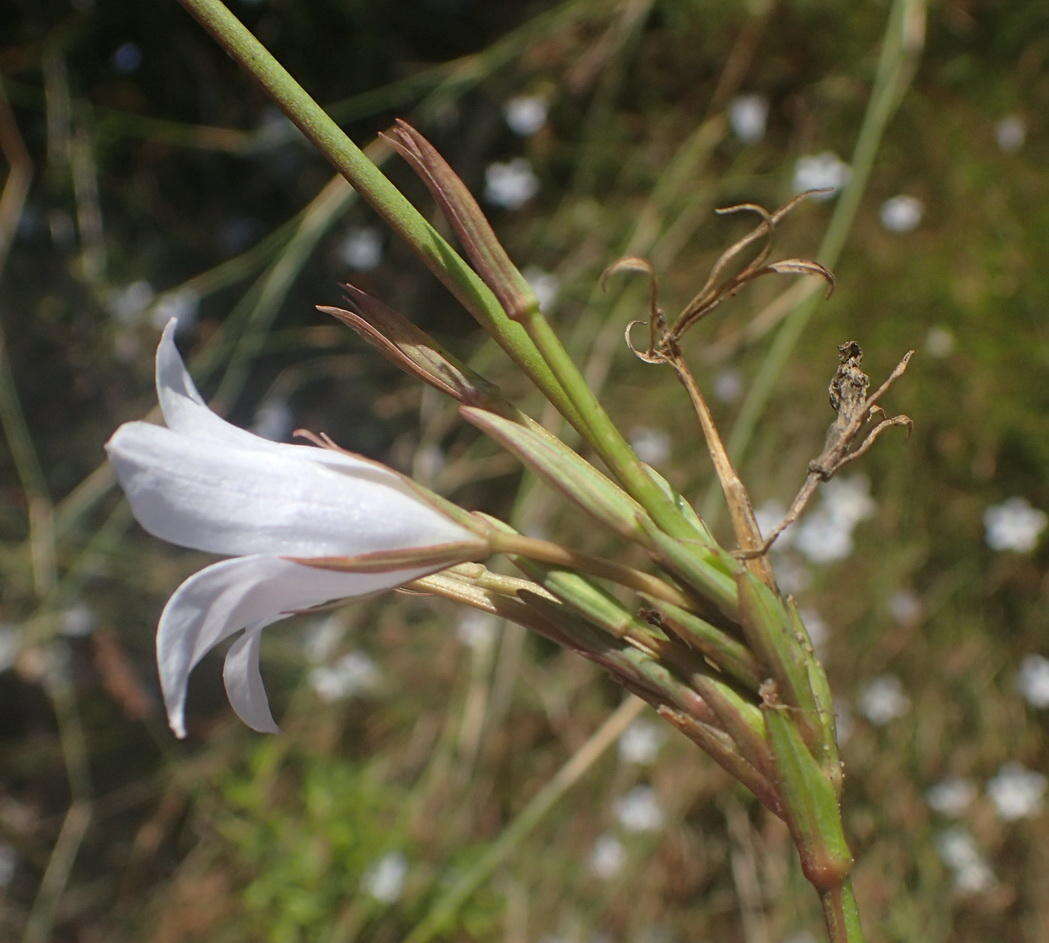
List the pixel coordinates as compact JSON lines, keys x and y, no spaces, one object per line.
{"x":855,"y":411}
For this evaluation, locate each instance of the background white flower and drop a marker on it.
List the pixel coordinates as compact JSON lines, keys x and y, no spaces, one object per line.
{"x":906,"y":607}
{"x":385,"y":879}
{"x":1014,"y":525}
{"x":959,"y":852}
{"x":640,"y":742}
{"x":1016,"y":791}
{"x":951,"y":796}
{"x":1032,"y":680}
{"x":525,"y":114}
{"x":273,"y":419}
{"x":939,"y":342}
{"x":639,"y":810}
{"x":182,"y":305}
{"x":1010,"y":133}
{"x":652,"y":445}
{"x":747,"y":115}
{"x":607,"y":857}
{"x":510,"y":184}
{"x":824,"y":171}
{"x":883,"y":700}
{"x":728,"y":385}
{"x":361,"y":248}
{"x":352,"y":674}
{"x":546,"y":285}
{"x":901,"y":213}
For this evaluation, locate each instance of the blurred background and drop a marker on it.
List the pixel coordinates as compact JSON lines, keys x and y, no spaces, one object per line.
{"x":416,"y":792}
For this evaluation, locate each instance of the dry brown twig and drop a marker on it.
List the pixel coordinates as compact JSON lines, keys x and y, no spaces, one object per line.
{"x":855,"y":409}
{"x":848,"y":389}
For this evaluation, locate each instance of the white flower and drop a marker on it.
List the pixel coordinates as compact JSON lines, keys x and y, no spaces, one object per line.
{"x":651,"y":445}
{"x":939,"y":342}
{"x":78,"y":621}
{"x":274,"y":419}
{"x":959,"y":852}
{"x":525,"y":114}
{"x":747,"y":115}
{"x":883,"y":700}
{"x":826,"y":534}
{"x":477,"y":629}
{"x":205,"y":484}
{"x":385,"y":879}
{"x":181,"y":305}
{"x":545,"y":285}
{"x":1014,"y":525}
{"x":640,"y":743}
{"x":901,"y":213}
{"x":848,"y":500}
{"x":951,"y":796}
{"x":127,"y":304}
{"x":906,"y":607}
{"x":355,"y":673}
{"x":511,"y":184}
{"x":323,"y":637}
{"x":822,"y":539}
{"x":1010,"y":133}
{"x":825,"y":171}
{"x":728,"y":385}
{"x":607,"y":857}
{"x":1032,"y":680}
{"x":1017,"y":792}
{"x":361,"y":249}
{"x":639,"y":810}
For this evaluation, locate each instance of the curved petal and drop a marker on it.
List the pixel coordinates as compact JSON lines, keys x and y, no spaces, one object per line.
{"x":251,"y":591}
{"x":185,"y":412}
{"x":244,"y":687}
{"x":225,"y":500}
{"x":182,"y":405}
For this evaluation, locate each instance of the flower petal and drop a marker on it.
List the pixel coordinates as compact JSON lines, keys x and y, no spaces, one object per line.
{"x":244,"y":687}
{"x":251,"y":591}
{"x":226,"y":500}
{"x":185,"y":412}
{"x":182,"y":405}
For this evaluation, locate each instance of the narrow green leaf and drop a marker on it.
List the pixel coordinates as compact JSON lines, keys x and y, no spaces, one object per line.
{"x":704,"y":568}
{"x":727,"y":653}
{"x":810,"y":802}
{"x":567,"y":471}
{"x":828,"y":752}
{"x":768,"y":630}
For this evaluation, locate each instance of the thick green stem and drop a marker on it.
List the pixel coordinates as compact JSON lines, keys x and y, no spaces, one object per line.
{"x":841,"y":914}
{"x":602,"y":432}
{"x":383,"y":196}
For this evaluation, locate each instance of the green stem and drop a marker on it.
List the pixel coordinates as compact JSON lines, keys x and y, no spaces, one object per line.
{"x":543,"y":551}
{"x":380,"y":193}
{"x":841,"y":914}
{"x":602,"y":432}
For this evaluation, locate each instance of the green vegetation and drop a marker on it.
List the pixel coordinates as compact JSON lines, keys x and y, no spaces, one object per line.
{"x":164,"y":183}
